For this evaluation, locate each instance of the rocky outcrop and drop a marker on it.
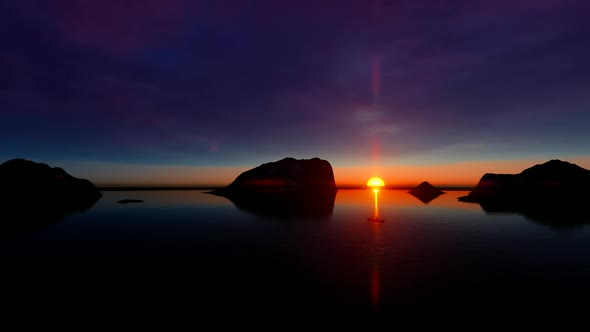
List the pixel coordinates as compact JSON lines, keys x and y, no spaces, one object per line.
{"x":426,"y":192}
{"x":33,"y":192}
{"x":285,"y":187}
{"x":553,"y":180}
{"x":555,"y":192}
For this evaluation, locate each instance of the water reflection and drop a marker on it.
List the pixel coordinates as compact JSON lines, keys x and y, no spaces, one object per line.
{"x":425,"y":197}
{"x":555,"y":214}
{"x":375,"y":217}
{"x":24,"y":217}
{"x":376,"y":250}
{"x":420,"y":259}
{"x":304,"y":204}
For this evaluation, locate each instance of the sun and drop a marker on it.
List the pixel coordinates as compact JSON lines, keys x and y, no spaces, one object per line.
{"x":375,"y":182}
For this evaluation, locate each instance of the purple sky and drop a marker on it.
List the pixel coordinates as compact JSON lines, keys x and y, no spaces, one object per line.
{"x":231,"y":83}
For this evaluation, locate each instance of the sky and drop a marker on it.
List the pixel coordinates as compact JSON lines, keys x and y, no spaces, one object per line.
{"x":190,"y":92}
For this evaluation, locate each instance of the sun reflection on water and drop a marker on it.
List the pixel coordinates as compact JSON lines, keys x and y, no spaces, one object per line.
{"x":375,"y":217}
{"x":375,"y":274}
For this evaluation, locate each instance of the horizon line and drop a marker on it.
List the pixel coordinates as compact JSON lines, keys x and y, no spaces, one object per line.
{"x":346,"y":187}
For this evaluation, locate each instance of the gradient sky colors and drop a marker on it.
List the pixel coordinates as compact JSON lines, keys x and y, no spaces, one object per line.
{"x":195,"y":92}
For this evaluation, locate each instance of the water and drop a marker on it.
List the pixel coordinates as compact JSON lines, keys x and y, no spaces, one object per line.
{"x":188,"y":249}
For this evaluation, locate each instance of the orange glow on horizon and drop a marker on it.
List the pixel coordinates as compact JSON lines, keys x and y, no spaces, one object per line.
{"x":466,"y":173}
{"x":448,"y":174}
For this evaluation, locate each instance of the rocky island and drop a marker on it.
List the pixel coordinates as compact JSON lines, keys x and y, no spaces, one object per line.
{"x":286,"y":187}
{"x":425,"y":192}
{"x":555,"y":180}
{"x":34,"y":193}
{"x":554,"y":192}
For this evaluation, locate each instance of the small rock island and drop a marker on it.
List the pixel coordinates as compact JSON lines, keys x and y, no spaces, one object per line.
{"x":287,"y":187}
{"x":35,"y":193}
{"x":426,"y":192}
{"x":128,"y":200}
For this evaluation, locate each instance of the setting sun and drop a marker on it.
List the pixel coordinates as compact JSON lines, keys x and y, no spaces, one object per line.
{"x":375,"y":182}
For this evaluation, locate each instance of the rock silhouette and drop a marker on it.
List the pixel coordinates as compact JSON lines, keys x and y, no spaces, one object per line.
{"x":426,"y":192}
{"x":34,"y":194}
{"x":551,"y":193}
{"x":285,"y":187}
{"x":127,"y":201}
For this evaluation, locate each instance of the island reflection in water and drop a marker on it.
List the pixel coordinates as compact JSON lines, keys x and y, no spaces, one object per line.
{"x":187,"y":244}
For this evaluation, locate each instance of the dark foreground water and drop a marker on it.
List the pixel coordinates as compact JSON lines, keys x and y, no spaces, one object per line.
{"x":191,"y":252}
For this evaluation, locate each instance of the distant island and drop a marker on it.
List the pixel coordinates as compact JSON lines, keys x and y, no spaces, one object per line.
{"x":554,"y":192}
{"x":425,"y":192}
{"x":35,"y":193}
{"x":127,"y":201}
{"x":287,"y":187}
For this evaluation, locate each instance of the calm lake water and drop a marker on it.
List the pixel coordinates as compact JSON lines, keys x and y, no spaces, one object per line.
{"x":190,"y":249}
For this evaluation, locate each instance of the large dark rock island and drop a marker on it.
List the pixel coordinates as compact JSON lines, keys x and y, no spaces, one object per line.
{"x":285,"y":187}
{"x":34,"y":194}
{"x":425,"y":192}
{"x":554,"y":193}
